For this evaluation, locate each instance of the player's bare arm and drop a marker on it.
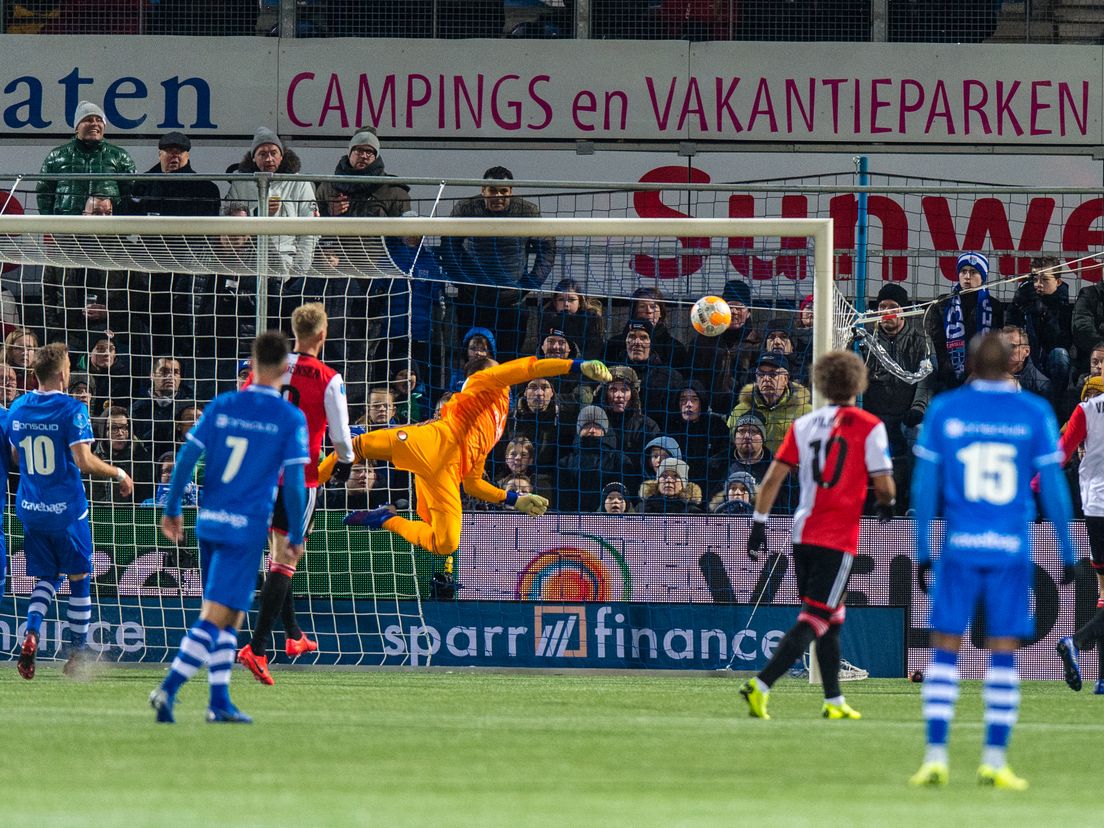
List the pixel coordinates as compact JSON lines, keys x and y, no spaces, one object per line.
{"x":89,"y":463}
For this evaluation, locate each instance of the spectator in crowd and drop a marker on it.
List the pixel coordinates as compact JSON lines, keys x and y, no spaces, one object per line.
{"x":359,"y":491}
{"x":82,"y":388}
{"x":171,"y":298}
{"x":377,"y":199}
{"x":779,"y":340}
{"x":655,"y":452}
{"x":801,"y":334}
{"x":19,"y":352}
{"x":169,"y":197}
{"x":1020,"y":366}
{"x":87,"y":152}
{"x":9,"y":385}
{"x":520,"y":461}
{"x":898,"y":403}
{"x":557,"y":343}
{"x":291,"y":255}
{"x":164,"y":467}
{"x":590,"y":464}
{"x":702,"y":432}
{"x":186,"y":417}
{"x":79,"y":300}
{"x":411,"y":396}
{"x":1096,"y":367}
{"x":673,"y":491}
{"x":153,"y":416}
{"x":615,"y":500}
{"x":494,"y":273}
{"x":737,"y":497}
{"x":580,"y":315}
{"x":245,"y":368}
{"x":958,"y":317}
{"x":109,"y":370}
{"x":650,"y":305}
{"x":1041,"y":306}
{"x":118,"y":447}
{"x":477,"y":344}
{"x":545,"y":420}
{"x":1088,"y":321}
{"x":777,"y":399}
{"x":723,"y":364}
{"x":405,"y":307}
{"x":519,"y":483}
{"x":628,"y":426}
{"x":381,"y":407}
{"x":749,"y":452}
{"x":659,"y":383}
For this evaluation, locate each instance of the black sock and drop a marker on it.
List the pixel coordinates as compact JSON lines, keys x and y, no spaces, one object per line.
{"x":1100,"y":658}
{"x":790,"y":648}
{"x":1086,"y":637}
{"x":287,"y":615}
{"x":275,"y":587}
{"x":828,"y":659}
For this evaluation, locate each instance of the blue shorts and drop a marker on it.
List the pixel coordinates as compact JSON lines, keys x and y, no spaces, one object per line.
{"x":68,"y":552}
{"x":1005,"y":592}
{"x":229,"y":573}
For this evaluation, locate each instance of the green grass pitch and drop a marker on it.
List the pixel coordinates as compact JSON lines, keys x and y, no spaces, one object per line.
{"x":435,"y":748}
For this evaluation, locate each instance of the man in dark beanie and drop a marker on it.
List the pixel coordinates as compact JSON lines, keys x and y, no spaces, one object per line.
{"x":377,"y":199}
{"x":898,"y":403}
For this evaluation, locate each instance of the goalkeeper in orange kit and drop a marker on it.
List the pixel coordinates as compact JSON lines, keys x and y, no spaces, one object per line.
{"x":452,"y":449}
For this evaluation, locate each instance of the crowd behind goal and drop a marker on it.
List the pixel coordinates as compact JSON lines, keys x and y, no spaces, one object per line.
{"x":688,"y":424}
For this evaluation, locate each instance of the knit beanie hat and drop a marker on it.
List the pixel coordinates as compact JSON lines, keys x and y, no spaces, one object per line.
{"x":679,"y":467}
{"x":85,"y":109}
{"x":976,"y":261}
{"x":592,"y":414}
{"x":893,"y":293}
{"x":264,"y":135}
{"x":362,"y":137}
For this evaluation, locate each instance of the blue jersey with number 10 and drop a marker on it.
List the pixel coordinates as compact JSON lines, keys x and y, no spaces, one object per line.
{"x":248,"y":437}
{"x":43,"y":425}
{"x":988,"y":440}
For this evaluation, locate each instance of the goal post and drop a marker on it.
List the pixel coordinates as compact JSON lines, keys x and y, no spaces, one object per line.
{"x":364,"y":593}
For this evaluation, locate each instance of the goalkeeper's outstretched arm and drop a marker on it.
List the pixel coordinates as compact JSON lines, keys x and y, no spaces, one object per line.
{"x":530,"y":504}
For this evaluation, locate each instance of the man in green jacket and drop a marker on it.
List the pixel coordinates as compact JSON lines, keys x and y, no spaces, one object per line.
{"x":88,"y":152}
{"x":774,"y":397}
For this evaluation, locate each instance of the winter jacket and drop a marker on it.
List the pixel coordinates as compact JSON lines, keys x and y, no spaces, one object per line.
{"x":722,"y":364}
{"x":1048,"y":320}
{"x":672,"y":505}
{"x":1087,"y":321}
{"x":550,"y":431}
{"x":414,"y":297}
{"x":794,"y":402}
{"x":135,"y":458}
{"x":291,"y":255}
{"x":173,"y":197}
{"x":630,"y":431}
{"x":585,"y":470}
{"x":702,"y":439}
{"x":944,"y":376}
{"x":372,"y":199}
{"x":67,"y":198}
{"x":502,"y":261}
{"x":659,"y":386}
{"x":888,"y":396}
{"x":66,"y":292}
{"x":456,"y":381}
{"x":691,"y":491}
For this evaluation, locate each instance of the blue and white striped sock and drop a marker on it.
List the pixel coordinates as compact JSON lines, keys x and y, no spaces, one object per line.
{"x":194,"y":650}
{"x":79,"y":611}
{"x":218,"y":668}
{"x":41,"y":597}
{"x":939,"y":694}
{"x":1002,"y":707}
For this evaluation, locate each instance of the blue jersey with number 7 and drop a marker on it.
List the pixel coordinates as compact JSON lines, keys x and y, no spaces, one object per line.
{"x":248,"y":437}
{"x":988,"y":439}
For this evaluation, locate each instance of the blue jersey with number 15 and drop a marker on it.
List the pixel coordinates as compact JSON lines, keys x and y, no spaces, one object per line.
{"x":248,"y":437}
{"x":988,"y":440}
{"x":43,"y":425}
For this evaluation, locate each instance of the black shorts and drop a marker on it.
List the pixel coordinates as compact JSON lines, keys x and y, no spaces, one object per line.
{"x":279,"y":522}
{"x":1094,"y":528}
{"x":822,"y":574}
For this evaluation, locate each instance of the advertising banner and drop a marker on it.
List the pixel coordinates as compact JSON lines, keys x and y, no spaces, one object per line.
{"x":916,"y":94}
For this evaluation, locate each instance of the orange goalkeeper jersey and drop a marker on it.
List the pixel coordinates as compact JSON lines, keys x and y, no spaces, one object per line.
{"x":477,"y":414}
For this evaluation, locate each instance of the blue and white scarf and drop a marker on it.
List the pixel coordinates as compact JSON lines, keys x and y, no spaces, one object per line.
{"x":954,"y":324}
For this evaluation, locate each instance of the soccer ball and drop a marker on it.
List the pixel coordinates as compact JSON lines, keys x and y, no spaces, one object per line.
{"x":711,"y":316}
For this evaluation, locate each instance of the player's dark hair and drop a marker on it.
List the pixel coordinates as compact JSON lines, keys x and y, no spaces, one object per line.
{"x":270,"y":349}
{"x":49,"y":359}
{"x":839,"y":376}
{"x":479,"y":364}
{"x":498,"y":173}
{"x":988,"y":357}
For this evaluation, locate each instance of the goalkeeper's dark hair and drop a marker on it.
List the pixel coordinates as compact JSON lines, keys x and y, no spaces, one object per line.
{"x":270,"y":350}
{"x":49,"y":359}
{"x":988,"y":357}
{"x":839,"y":376}
{"x":478,"y":364}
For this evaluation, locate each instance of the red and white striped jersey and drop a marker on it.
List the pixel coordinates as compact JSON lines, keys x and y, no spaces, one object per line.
{"x":835,"y":449}
{"x":1086,"y":425}
{"x":318,"y":391}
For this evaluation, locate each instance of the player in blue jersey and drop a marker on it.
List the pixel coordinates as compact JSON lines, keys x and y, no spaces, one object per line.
{"x":51,"y":440}
{"x":249,"y":438}
{"x":5,"y":467}
{"x":978,"y":450}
